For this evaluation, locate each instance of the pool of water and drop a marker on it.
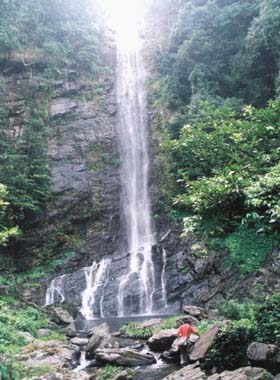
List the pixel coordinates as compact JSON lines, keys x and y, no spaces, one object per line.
{"x":114,"y":323}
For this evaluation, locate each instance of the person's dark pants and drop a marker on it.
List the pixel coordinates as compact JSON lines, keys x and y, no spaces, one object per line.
{"x":184,"y":351}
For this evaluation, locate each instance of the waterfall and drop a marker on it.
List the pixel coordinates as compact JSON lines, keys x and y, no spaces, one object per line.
{"x":163,"y":279}
{"x":133,"y":137}
{"x":96,"y":277}
{"x":55,"y":292}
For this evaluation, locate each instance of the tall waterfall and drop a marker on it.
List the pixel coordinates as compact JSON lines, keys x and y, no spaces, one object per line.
{"x":112,"y":286}
{"x":133,"y":136}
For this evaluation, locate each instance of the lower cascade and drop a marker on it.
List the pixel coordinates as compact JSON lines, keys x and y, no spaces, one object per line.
{"x":96,"y":277}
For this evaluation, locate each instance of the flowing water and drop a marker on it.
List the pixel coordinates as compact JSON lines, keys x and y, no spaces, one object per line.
{"x":142,"y":290}
{"x":96,"y":277}
{"x":55,"y":292}
{"x":133,"y":137}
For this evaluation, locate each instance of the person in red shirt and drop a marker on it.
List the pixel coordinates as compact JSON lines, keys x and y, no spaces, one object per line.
{"x":185,"y":331}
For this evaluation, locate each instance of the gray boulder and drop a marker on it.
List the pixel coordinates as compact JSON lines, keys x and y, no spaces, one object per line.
{"x":204,"y":343}
{"x":79,"y":341}
{"x":70,"y":330}
{"x":191,"y":372}
{"x":150,"y":323}
{"x":124,"y":357}
{"x":261,"y":352}
{"x":265,"y":356}
{"x":99,"y":335}
{"x":246,"y":373}
{"x":61,"y":316}
{"x":162,"y":341}
{"x":44,"y":332}
{"x":27,"y":336}
{"x":195,"y":311}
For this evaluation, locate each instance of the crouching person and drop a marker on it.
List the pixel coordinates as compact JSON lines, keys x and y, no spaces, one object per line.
{"x":187,"y":336}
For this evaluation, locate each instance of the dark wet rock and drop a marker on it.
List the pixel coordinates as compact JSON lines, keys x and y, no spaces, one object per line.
{"x":246,"y":373}
{"x":61,"y":316}
{"x":163,"y":340}
{"x":264,"y":355}
{"x":124,"y":357}
{"x":204,"y":343}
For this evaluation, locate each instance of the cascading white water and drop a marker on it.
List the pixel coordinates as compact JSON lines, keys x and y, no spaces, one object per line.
{"x":163,"y":278}
{"x":96,"y":276}
{"x":133,"y":136}
{"x":55,"y":292}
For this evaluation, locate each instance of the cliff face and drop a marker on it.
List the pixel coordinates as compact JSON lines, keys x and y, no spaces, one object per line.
{"x":83,"y":220}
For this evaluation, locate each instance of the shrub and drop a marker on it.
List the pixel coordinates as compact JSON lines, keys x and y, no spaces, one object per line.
{"x":248,"y":249}
{"x":108,"y":372}
{"x":232,"y":309}
{"x":230,"y":346}
{"x":268,"y":320}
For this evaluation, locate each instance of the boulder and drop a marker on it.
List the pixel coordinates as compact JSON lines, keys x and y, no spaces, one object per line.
{"x":195,"y":311}
{"x":261,"y":352}
{"x":203,"y":344}
{"x":191,"y":372}
{"x":44,"y":332}
{"x":79,"y":341}
{"x":150,"y":323}
{"x":70,"y":330}
{"x":265,"y":356}
{"x":162,"y":341}
{"x":61,"y":316}
{"x":187,"y":319}
{"x":124,"y":357}
{"x":98,"y":336}
{"x":246,"y":373}
{"x":101,"y":330}
{"x":27,"y":336}
{"x":124,"y":375}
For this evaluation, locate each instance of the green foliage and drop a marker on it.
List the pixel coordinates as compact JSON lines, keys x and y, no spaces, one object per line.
{"x":229,"y":349}
{"x":15,"y":318}
{"x":248,"y":249}
{"x":108,"y":372}
{"x":232,"y":309}
{"x":54,"y":32}
{"x":268,"y":320}
{"x":132,"y":330}
{"x":224,"y":49}
{"x":225,"y":163}
{"x":250,"y":322}
{"x":5,"y":232}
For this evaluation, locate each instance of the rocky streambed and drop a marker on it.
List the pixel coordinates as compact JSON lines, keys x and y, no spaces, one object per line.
{"x":141,"y":350}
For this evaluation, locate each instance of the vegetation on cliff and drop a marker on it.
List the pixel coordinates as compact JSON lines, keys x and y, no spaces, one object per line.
{"x":45,"y":42}
{"x":216,"y":94}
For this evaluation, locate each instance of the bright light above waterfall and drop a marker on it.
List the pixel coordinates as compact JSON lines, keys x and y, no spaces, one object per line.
{"x":124,"y":15}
